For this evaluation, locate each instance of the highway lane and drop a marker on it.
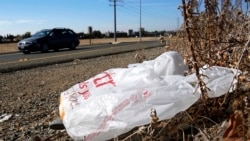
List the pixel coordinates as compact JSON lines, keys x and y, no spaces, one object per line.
{"x":16,"y":61}
{"x":13,"y":57}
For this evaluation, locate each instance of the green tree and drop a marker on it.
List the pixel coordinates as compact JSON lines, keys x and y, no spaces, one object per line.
{"x":96,"y":34}
{"x":18,"y":37}
{"x":1,"y":38}
{"x":80,"y":35}
{"x":26,"y":35}
{"x":10,"y":37}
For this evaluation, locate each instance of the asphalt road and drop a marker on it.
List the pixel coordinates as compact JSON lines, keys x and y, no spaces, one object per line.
{"x":16,"y":61}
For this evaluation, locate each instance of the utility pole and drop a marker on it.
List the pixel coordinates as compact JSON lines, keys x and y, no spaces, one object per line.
{"x":140,"y":20}
{"x":114,"y":18}
{"x":90,"y":34}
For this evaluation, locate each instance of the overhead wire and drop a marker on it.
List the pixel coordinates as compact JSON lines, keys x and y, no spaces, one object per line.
{"x":133,"y":13}
{"x":132,"y":9}
{"x":136,"y":6}
{"x":146,"y":12}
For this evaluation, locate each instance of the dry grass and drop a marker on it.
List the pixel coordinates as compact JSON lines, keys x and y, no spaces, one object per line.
{"x":12,"y":47}
{"x":216,"y":36}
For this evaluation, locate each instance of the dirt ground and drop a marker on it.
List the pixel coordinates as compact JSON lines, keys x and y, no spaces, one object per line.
{"x":30,"y":97}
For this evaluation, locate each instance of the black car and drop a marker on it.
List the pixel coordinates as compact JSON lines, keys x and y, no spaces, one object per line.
{"x":48,"y":39}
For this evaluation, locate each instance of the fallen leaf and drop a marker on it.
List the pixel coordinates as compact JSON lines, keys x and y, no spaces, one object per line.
{"x":234,"y":123}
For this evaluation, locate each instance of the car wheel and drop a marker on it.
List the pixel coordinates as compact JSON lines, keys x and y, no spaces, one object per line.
{"x":72,"y":46}
{"x":45,"y":48}
{"x":26,"y":52}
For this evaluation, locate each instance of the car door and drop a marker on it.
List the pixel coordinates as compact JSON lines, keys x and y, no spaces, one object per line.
{"x":66,"y":38}
{"x":56,"y":39}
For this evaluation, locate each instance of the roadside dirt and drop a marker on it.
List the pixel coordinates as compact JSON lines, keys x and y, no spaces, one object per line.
{"x":30,"y":97}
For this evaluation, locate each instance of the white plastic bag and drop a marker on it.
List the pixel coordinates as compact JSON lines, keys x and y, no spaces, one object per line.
{"x":117,"y":100}
{"x":168,"y":63}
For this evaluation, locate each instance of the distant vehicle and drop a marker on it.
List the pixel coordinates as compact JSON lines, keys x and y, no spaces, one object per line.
{"x":47,"y":39}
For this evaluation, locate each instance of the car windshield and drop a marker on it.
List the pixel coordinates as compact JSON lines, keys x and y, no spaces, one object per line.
{"x":42,"y":33}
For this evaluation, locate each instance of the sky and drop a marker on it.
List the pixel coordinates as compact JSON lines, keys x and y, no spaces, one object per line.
{"x":21,"y":16}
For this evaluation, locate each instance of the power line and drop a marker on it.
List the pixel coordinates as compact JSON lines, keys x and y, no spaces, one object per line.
{"x":136,"y":11}
{"x":135,"y":6}
{"x":139,"y":12}
{"x":146,"y":18}
{"x":140,"y":29}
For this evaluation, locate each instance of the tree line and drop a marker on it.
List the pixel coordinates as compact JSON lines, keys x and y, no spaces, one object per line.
{"x":14,"y":38}
{"x":9,"y":38}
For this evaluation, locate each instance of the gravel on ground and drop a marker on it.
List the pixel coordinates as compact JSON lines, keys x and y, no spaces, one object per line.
{"x":29,"y":98}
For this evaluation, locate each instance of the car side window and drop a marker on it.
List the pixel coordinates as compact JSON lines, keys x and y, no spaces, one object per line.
{"x":55,"y":33}
{"x":52,"y":34}
{"x":64,"y":33}
{"x":71,"y":32}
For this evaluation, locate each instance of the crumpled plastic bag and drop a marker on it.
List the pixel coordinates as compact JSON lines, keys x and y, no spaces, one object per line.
{"x":169,"y":63}
{"x":119,"y":99}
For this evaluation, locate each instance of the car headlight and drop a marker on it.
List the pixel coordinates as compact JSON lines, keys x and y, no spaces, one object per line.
{"x":28,"y":43}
